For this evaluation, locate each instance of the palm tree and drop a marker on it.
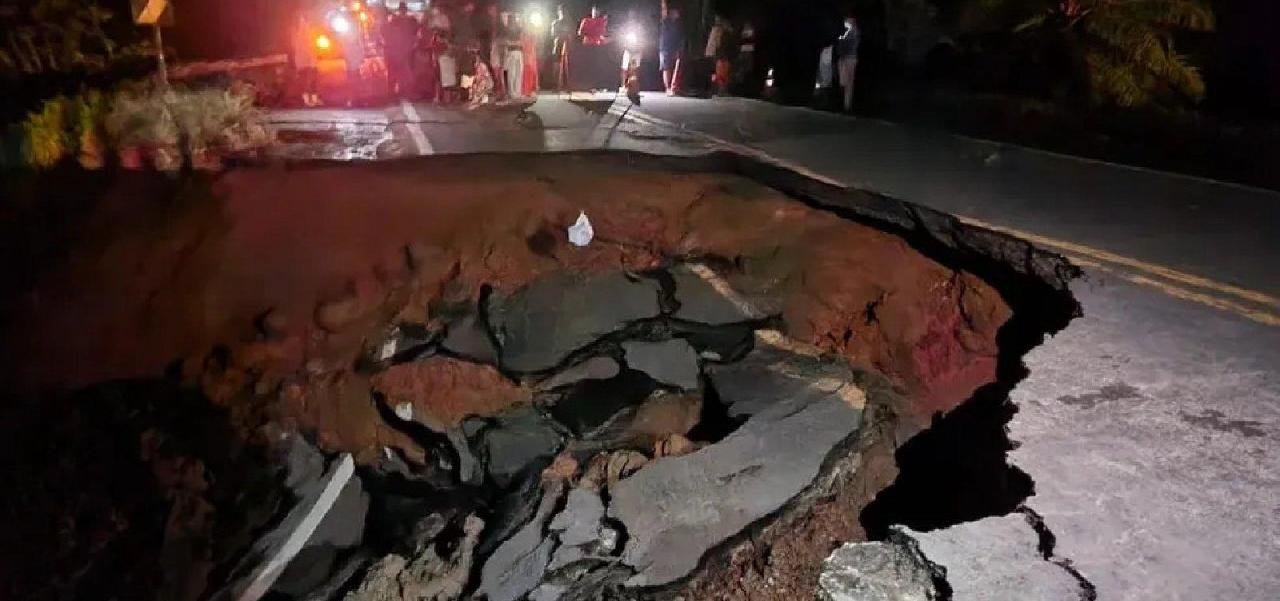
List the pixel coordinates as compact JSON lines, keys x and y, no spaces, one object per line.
{"x":1123,"y":50}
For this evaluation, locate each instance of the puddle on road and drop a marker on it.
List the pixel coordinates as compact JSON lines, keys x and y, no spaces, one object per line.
{"x":338,"y":142}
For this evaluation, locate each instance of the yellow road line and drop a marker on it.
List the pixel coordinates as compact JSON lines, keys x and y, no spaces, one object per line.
{"x":1110,"y":263}
{"x":1078,"y":253}
{"x":1110,"y":257}
{"x":1260,"y":316}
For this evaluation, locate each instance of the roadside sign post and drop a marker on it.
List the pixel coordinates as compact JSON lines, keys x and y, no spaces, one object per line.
{"x":161,"y":68}
{"x":157,"y":14}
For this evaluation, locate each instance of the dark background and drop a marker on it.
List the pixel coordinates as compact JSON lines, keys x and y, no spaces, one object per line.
{"x":1241,"y":61}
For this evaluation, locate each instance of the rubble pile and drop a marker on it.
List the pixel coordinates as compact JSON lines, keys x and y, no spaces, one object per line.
{"x":620,"y":450}
{"x":448,"y":399}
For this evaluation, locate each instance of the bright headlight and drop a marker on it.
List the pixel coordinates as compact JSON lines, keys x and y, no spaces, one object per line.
{"x":340,"y":24}
{"x":536,"y":19}
{"x":631,"y":38}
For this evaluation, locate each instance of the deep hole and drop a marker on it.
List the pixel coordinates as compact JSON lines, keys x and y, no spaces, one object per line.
{"x":945,"y":593}
{"x":81,"y":457}
{"x":590,"y":403}
{"x":731,"y":342}
{"x":666,"y":289}
{"x":953,"y":472}
{"x":957,"y":470}
{"x":714,"y":423}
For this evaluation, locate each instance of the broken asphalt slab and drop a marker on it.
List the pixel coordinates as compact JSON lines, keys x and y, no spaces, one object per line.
{"x":889,"y":570}
{"x":676,"y":509}
{"x":670,"y":362}
{"x":539,"y":326}
{"x":330,"y":514}
{"x":997,"y":559}
{"x":704,"y":297}
{"x":519,"y":563}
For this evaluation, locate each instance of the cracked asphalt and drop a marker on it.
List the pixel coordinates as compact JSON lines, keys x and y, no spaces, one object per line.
{"x":1150,"y":425}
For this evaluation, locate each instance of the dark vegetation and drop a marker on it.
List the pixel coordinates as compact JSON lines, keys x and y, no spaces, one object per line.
{"x":1189,"y":86}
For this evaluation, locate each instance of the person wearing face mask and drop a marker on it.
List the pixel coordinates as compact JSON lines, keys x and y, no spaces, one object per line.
{"x":847,"y":50}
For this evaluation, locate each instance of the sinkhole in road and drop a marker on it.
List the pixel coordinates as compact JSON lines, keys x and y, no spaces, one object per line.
{"x":437,"y":396}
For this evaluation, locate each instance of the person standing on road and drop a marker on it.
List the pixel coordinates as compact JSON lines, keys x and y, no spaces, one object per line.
{"x":720,"y":49}
{"x":438,"y":20}
{"x":591,"y":63}
{"x":512,"y":55}
{"x":305,"y":65}
{"x":847,"y":49}
{"x":532,"y":49}
{"x":631,"y":38}
{"x":594,"y":28}
{"x":670,"y":47}
{"x":489,"y":31}
{"x":561,"y":39}
{"x":447,"y":61}
{"x":353,"y":51}
{"x":426,"y":61}
{"x":400,"y":36}
{"x":746,"y":82}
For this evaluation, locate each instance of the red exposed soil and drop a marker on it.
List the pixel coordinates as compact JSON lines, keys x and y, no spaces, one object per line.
{"x":443,"y":391}
{"x":293,"y":269}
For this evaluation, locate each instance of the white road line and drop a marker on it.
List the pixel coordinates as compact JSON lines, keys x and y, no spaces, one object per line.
{"x":412,"y":123}
{"x":744,"y":149}
{"x":270,"y":571}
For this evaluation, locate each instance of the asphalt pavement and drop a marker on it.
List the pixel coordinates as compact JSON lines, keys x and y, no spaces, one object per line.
{"x":1150,"y":425}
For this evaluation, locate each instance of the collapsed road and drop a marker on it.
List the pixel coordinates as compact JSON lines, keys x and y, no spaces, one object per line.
{"x":400,"y":381}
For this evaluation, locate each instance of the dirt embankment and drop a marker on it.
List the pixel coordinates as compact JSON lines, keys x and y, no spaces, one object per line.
{"x":273,"y":290}
{"x":287,"y":271}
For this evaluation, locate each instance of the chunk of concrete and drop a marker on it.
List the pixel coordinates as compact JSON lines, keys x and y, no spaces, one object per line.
{"x":565,"y":556}
{"x":705,"y":297}
{"x":776,"y":368}
{"x":675,"y":509}
{"x":579,"y":522}
{"x":427,"y":577}
{"x":330,"y":513}
{"x":520,"y":438}
{"x":892,"y":570}
{"x":470,"y":471}
{"x":996,"y":559}
{"x":405,"y":342}
{"x":548,"y":592}
{"x":303,"y":466}
{"x":430,"y":577}
{"x":716,"y":343}
{"x":519,"y":563}
{"x":467,"y":337}
{"x":542,"y":324}
{"x":381,"y":582}
{"x":595,"y":368}
{"x":671,"y":362}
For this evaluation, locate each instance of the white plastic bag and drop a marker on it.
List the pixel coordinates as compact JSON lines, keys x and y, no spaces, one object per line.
{"x":580,"y":233}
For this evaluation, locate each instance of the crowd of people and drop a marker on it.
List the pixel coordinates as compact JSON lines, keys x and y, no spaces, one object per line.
{"x":452,"y":53}
{"x":459,"y":51}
